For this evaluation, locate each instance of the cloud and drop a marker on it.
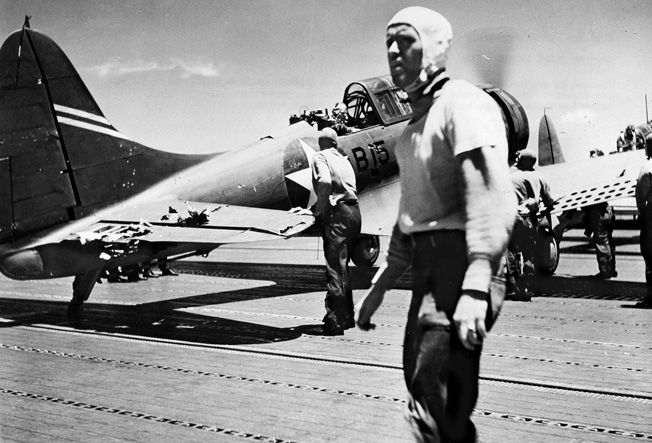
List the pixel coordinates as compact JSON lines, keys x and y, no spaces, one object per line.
{"x":186,"y":69}
{"x":199,"y":69}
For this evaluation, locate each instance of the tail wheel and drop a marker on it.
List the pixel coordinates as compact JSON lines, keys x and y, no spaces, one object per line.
{"x":547,"y":251}
{"x":366,"y":250}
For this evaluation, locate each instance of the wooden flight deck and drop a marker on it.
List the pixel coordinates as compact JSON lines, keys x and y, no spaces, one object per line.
{"x":230,"y":351}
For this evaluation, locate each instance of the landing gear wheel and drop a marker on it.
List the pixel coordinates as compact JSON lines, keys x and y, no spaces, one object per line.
{"x":366,"y":250}
{"x":547,"y":251}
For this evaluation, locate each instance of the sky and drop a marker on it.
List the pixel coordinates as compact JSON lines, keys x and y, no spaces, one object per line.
{"x":201,"y":76}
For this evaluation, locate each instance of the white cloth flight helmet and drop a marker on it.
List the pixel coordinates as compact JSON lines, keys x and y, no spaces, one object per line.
{"x":436,"y":35}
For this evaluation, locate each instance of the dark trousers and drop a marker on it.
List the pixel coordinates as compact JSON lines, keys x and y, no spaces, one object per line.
{"x":523,"y":241}
{"x":646,"y":252}
{"x":440,"y":373}
{"x":599,"y":224}
{"x":520,"y":254}
{"x":342,"y":225}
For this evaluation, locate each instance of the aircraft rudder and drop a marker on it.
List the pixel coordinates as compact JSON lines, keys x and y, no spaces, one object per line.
{"x":62,"y":158}
{"x":549,"y":147}
{"x":6,"y":206}
{"x":36,"y":191}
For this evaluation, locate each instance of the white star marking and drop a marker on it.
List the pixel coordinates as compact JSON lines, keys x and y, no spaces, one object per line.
{"x":303,"y":177}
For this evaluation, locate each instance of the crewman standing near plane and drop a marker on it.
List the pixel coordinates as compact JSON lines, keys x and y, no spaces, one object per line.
{"x":629,"y":140}
{"x":453,"y":174}
{"x":532,"y":188}
{"x":599,"y":221}
{"x":334,"y":182}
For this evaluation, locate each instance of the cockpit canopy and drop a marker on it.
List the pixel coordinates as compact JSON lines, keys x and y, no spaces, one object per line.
{"x":375,"y":101}
{"x":371,"y":102}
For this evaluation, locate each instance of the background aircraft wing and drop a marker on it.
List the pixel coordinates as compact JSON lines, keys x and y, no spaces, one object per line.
{"x":190,"y":222}
{"x":597,"y":180}
{"x":606,"y":192}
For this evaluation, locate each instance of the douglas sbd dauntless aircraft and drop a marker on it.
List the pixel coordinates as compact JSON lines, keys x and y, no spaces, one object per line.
{"x":77,"y":197}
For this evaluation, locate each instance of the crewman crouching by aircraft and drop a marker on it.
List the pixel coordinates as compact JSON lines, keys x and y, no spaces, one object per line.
{"x":333,"y":179}
{"x":597,"y":152}
{"x":644,"y":205}
{"x":531,"y":189}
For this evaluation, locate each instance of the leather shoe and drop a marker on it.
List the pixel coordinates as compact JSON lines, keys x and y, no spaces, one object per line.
{"x":331,"y":329}
{"x":605,"y":275}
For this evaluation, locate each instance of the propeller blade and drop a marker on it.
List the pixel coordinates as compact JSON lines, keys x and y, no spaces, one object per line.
{"x":491,"y":51}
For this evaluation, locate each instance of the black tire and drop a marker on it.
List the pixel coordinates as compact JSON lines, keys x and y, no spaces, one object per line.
{"x":547,"y":251}
{"x":366,"y":250}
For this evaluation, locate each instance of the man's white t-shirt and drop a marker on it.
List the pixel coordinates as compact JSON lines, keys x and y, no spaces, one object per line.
{"x":462,"y":118}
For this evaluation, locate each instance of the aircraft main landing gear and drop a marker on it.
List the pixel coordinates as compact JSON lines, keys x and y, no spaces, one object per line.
{"x":366,"y":250}
{"x":81,"y":290}
{"x":546,"y":256}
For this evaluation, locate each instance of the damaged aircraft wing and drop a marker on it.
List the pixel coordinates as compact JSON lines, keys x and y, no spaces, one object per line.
{"x":179,"y":221}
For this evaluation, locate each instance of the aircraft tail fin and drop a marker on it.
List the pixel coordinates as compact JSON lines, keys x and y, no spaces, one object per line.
{"x":60,"y":158}
{"x":549,"y":148}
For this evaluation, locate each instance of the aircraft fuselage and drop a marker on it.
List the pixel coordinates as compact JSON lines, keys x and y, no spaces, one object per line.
{"x":274,"y":173}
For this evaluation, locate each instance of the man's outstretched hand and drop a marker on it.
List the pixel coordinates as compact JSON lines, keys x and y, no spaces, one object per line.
{"x":469,"y":318}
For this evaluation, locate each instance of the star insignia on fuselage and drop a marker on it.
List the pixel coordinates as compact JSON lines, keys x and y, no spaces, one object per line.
{"x":303,"y":177}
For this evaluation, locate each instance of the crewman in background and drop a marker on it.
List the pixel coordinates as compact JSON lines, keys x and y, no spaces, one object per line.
{"x":644,"y":205}
{"x":630,"y":140}
{"x":599,"y":220}
{"x":532,"y":189}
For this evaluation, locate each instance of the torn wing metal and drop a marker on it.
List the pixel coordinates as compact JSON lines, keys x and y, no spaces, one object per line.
{"x":192,"y":222}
